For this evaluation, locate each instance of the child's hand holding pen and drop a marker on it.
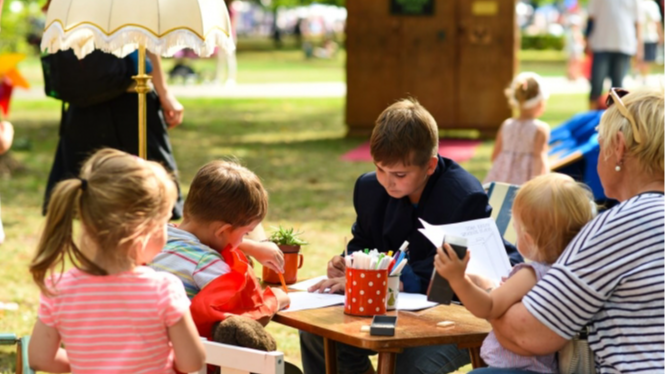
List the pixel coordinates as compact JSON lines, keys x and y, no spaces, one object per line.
{"x":448,"y":265}
{"x":267,"y":253}
{"x":336,"y":267}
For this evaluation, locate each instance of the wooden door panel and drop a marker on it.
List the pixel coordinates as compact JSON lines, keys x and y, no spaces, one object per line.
{"x":429,"y":61}
{"x":487,"y":61}
{"x":372,"y":64}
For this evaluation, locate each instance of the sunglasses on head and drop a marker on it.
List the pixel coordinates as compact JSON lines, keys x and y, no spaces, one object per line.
{"x":615,"y":97}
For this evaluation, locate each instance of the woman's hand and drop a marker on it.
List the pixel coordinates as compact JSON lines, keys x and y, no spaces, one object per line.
{"x":448,"y":265}
{"x":173,"y":110}
{"x":333,"y":285}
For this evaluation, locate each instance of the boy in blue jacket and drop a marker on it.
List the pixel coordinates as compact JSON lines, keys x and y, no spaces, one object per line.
{"x":411,"y":181}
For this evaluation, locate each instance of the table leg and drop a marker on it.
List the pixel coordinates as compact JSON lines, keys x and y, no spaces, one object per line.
{"x":387,"y":362}
{"x":330,"y":350}
{"x":476,"y":360}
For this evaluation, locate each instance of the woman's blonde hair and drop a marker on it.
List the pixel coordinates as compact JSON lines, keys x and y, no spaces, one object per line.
{"x":526,"y":91}
{"x":552,"y":209}
{"x":646,"y":106}
{"x":119,"y":198}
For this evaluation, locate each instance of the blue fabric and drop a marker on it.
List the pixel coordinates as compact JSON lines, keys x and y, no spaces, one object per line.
{"x":579,"y":134}
{"x":437,"y":359}
{"x":586,"y":170}
{"x":134,"y":58}
{"x":410,"y":280}
{"x":577,"y":130}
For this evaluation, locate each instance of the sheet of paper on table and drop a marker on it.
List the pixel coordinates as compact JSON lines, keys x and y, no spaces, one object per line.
{"x":304,"y":285}
{"x":488,"y":255}
{"x":307,"y":300}
{"x":413,"y":301}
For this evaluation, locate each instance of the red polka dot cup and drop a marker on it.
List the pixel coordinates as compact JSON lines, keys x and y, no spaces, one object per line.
{"x":365,"y":292}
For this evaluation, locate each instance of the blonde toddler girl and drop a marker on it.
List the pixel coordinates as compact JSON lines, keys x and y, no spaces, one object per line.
{"x":520,"y":151}
{"x":548,"y":212}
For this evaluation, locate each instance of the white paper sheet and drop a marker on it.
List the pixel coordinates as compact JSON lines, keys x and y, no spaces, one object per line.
{"x":413,"y":301}
{"x":304,"y":285}
{"x":306,"y":300}
{"x":488,"y":255}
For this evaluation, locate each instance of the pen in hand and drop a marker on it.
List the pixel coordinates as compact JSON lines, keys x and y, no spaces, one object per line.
{"x":281,"y":279}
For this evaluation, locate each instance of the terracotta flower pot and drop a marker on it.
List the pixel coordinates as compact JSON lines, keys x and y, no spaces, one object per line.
{"x":293,"y":261}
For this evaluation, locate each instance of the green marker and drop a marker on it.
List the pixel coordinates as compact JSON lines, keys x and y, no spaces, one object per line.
{"x":378,"y":262}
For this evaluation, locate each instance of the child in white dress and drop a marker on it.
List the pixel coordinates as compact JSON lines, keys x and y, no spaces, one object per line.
{"x":520,"y":151}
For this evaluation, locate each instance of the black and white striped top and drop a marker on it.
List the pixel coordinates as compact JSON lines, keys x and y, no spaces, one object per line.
{"x":611,"y":276}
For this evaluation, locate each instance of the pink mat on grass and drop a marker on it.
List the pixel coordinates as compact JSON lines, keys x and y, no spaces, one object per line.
{"x":459,"y":150}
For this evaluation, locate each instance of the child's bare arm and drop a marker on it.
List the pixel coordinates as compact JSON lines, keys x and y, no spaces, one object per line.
{"x":498,"y":145}
{"x":511,"y":291}
{"x":267,"y":253}
{"x":283,"y":299}
{"x":492,"y":305}
{"x":187,"y":346}
{"x":475,"y":299}
{"x":44,"y":352}
{"x":449,"y":266}
{"x":540,"y":149}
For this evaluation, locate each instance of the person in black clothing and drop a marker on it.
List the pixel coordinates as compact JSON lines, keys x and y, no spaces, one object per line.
{"x":100,"y":109}
{"x":411,"y":182}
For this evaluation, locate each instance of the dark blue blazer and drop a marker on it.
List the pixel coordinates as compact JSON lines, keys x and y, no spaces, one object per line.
{"x":451,"y":195}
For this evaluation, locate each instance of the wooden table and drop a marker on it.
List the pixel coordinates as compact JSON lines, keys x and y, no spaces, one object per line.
{"x":414,"y":329}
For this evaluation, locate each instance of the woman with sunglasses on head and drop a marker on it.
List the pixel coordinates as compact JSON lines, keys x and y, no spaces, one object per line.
{"x":609,"y":281}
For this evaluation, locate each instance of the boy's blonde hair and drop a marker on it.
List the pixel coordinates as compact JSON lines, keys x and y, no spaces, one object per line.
{"x":526,"y":91}
{"x":225,"y":191}
{"x":119,"y":199}
{"x":646,"y":106}
{"x":552,"y":209}
{"x":405,"y":132}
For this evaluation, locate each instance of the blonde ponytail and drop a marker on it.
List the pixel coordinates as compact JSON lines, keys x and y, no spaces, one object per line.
{"x":119,"y":199}
{"x":57,"y":240}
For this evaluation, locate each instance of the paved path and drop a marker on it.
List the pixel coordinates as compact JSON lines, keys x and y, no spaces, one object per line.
{"x":556,"y":85}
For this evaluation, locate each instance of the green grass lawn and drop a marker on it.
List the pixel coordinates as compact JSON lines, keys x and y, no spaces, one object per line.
{"x":293,"y":145}
{"x":256,"y":65}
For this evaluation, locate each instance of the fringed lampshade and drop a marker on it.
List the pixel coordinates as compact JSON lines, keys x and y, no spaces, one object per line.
{"x":121,"y":26}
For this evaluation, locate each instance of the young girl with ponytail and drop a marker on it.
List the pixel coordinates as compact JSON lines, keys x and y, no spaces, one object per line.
{"x":520,"y":151}
{"x":111,"y":313}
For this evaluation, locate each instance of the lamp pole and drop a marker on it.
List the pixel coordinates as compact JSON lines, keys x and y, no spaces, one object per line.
{"x":142,"y":88}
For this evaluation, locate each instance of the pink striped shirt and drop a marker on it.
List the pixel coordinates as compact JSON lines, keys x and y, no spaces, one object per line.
{"x":116,"y":323}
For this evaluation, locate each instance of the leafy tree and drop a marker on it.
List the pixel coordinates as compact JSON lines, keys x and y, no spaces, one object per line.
{"x":18,"y":23}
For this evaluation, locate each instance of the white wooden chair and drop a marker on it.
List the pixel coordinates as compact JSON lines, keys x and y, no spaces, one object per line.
{"x":238,"y":360}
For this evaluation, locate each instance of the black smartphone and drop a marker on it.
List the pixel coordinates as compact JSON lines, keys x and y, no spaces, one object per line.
{"x":439,"y":290}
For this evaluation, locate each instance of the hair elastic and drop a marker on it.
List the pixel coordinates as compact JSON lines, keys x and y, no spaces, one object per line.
{"x":84,"y":183}
{"x":521,"y":80}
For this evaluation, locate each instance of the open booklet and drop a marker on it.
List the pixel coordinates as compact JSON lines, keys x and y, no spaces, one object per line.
{"x":488,"y":254}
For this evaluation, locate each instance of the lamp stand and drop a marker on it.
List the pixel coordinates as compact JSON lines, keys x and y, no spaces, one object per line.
{"x":142,"y":88}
